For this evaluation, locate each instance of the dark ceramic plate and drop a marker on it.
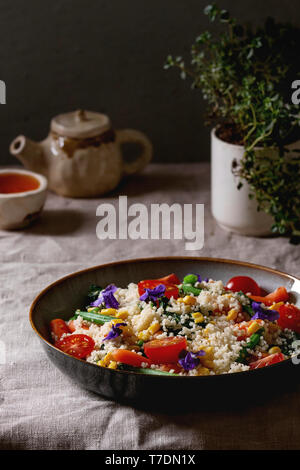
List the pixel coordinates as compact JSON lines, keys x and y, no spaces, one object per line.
{"x":60,"y":299}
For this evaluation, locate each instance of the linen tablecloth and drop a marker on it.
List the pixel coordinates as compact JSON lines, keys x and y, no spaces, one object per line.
{"x":41,"y":409}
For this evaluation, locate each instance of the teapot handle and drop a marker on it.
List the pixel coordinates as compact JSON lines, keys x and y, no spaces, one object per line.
{"x":137,"y":137}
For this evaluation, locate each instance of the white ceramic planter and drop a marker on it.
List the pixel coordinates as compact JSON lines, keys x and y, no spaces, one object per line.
{"x":231,"y":207}
{"x":17,"y":210}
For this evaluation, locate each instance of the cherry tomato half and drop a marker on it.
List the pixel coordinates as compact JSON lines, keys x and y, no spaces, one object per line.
{"x":267,"y":361}
{"x":72,"y":327}
{"x":79,"y":346}
{"x":170,"y":279}
{"x":129,"y":357}
{"x":279,"y":295}
{"x":171,"y":366}
{"x":58,"y":327}
{"x":243,"y":283}
{"x":165,"y":350}
{"x":171,"y":289}
{"x":289,"y":317}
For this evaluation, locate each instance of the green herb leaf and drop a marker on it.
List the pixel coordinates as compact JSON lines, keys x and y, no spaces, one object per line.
{"x":93,"y":293}
{"x":189,"y":289}
{"x":253,"y":341}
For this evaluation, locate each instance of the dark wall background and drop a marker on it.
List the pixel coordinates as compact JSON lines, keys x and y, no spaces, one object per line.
{"x":108,"y":55}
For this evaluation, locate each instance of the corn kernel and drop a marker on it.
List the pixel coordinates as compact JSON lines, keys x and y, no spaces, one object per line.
{"x":207,"y":363}
{"x":144,"y":335}
{"x":154,"y":327}
{"x":232,"y":314}
{"x":107,"y":358}
{"x":189,"y":300}
{"x":93,"y":309}
{"x":198,"y":317}
{"x":112,"y":365}
{"x":276,"y":306}
{"x":209,"y":352}
{"x":123,"y":314}
{"x":202,"y":371}
{"x":253,"y":328}
{"x":114,"y":321}
{"x":109,"y":311}
{"x":126,"y":329}
{"x":207,"y":360}
{"x":105,"y":361}
{"x":274,"y":350}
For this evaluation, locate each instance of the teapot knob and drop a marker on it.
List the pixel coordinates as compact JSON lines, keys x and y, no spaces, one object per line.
{"x":80,"y":115}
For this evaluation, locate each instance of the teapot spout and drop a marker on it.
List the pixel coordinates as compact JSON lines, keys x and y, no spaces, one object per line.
{"x":29,"y":153}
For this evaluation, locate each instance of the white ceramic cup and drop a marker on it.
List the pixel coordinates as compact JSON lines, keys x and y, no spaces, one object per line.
{"x":17,"y":210}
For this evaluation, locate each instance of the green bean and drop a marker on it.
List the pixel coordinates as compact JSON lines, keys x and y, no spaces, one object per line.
{"x":94,"y":317}
{"x":144,"y":371}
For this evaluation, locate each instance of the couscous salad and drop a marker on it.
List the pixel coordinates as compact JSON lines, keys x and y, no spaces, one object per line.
{"x":191,"y":327}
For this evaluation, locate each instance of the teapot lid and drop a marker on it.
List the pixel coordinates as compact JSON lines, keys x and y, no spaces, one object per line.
{"x":80,"y":124}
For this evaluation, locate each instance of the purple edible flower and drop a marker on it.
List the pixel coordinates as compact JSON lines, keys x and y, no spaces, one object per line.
{"x":206,"y":279}
{"x":153,"y":294}
{"x":263,"y":313}
{"x":114,"y":332}
{"x":190,"y":360}
{"x":107,"y":298}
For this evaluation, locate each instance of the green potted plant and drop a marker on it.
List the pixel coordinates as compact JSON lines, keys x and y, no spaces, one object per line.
{"x":245,"y":75}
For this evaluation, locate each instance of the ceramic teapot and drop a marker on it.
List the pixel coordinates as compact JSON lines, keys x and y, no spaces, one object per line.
{"x":82,"y":155}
